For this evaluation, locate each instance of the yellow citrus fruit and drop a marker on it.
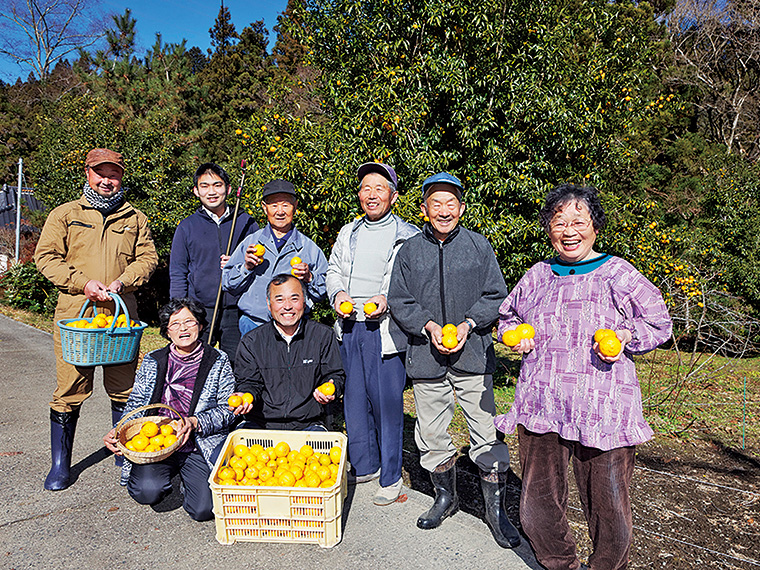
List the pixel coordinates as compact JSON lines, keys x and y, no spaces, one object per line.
{"x":234,"y":401}
{"x":323,"y":472}
{"x":270,"y":451}
{"x":100,"y":321}
{"x":170,"y":440}
{"x":601,"y":333}
{"x":272,"y":464}
{"x":297,"y":472}
{"x":259,"y":250}
{"x":328,"y":388}
{"x":449,"y":341}
{"x":292,"y":455}
{"x":247,"y":398}
{"x":333,"y":470}
{"x":312,"y":479}
{"x":510,"y":338}
{"x":250,"y":459}
{"x":327,"y":483}
{"x":130,"y":446}
{"x":335,"y":454}
{"x":240,"y":450}
{"x":239,"y":474}
{"x":149,"y":429}
{"x":369,"y":308}
{"x":157,"y":440}
{"x":252,"y":473}
{"x":346,"y":308}
{"x":287,"y":479}
{"x":257,"y":448}
{"x":295,"y":261}
{"x":227,"y":473}
{"x":525,"y":331}
{"x":282,"y":449}
{"x":306,"y":450}
{"x":449,"y":329}
{"x":150,"y":448}
{"x":109,"y":319}
{"x":166,"y":429}
{"x":325,"y":460}
{"x":300,"y":483}
{"x":140,"y":442}
{"x":610,"y":346}
{"x":265,"y":474}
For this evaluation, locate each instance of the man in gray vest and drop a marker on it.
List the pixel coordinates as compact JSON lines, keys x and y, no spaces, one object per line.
{"x":372,"y":345}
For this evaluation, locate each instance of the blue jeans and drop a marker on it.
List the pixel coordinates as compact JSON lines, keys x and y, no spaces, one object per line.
{"x":373,"y":402}
{"x":247,"y":324}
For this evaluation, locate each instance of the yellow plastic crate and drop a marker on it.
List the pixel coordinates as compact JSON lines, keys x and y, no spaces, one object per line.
{"x":280,"y":514}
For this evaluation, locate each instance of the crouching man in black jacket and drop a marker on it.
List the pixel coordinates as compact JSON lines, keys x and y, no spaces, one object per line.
{"x":284,"y":361}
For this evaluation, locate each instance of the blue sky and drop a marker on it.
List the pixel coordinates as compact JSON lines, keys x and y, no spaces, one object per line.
{"x":175,"y":20}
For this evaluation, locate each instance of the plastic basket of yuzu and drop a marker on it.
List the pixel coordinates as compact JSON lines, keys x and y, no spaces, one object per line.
{"x":295,"y":508}
{"x":100,"y":339}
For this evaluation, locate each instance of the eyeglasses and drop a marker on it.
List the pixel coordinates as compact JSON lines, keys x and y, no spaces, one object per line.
{"x":188,"y":324}
{"x":562,"y":225}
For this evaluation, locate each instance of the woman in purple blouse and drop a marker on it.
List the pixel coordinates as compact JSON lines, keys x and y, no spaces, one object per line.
{"x":572,"y":402}
{"x":195,"y":380}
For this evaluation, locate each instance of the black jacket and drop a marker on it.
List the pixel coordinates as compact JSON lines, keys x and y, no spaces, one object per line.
{"x":282,"y":378}
{"x":447,"y":283}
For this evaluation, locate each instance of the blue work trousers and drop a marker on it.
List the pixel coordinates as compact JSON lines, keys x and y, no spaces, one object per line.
{"x":373,"y":402}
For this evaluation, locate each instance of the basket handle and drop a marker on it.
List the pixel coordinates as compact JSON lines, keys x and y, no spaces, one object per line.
{"x":120,"y":307}
{"x":144,"y":409}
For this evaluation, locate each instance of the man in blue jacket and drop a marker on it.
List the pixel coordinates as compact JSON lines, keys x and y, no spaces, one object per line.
{"x":198,"y":254}
{"x":449,"y":275}
{"x":276,"y":249}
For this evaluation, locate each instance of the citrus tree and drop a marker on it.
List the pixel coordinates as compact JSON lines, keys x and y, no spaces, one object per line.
{"x":511,"y":97}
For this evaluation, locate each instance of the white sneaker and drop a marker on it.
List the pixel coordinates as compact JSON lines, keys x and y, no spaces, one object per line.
{"x":368,"y":477}
{"x":388,"y":495}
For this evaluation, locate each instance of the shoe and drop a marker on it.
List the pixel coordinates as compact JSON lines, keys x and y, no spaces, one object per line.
{"x":63,"y":425}
{"x":446,"y":500}
{"x":368,"y":477}
{"x":388,"y":495}
{"x":117,"y":409}
{"x":503,"y":531}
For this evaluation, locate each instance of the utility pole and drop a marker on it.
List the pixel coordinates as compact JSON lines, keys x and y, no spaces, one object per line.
{"x":18,"y":208}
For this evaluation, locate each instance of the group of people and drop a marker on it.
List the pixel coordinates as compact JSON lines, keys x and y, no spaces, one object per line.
{"x":400,"y":295}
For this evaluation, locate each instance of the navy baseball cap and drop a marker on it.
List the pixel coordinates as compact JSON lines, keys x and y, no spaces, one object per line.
{"x":382,"y":169}
{"x":278,"y":187}
{"x":443,"y":178}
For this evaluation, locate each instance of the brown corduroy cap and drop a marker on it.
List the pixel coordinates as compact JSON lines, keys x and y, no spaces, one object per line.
{"x":102,"y":156}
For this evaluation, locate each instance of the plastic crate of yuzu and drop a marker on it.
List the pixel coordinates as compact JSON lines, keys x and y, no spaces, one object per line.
{"x":280,"y":514}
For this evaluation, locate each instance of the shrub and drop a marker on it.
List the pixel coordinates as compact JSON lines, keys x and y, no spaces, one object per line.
{"x":26,"y":288}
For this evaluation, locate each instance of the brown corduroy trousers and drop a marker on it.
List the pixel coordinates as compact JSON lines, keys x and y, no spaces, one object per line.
{"x":603,"y":479}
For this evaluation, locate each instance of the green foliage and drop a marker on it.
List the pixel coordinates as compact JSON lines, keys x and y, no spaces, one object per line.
{"x":26,"y":288}
{"x":512,"y":98}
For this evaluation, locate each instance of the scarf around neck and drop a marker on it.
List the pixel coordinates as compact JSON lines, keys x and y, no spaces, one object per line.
{"x":101,"y":204}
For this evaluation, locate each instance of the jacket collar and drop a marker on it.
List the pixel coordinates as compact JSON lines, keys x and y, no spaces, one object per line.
{"x":427,"y":231}
{"x":162,"y":359}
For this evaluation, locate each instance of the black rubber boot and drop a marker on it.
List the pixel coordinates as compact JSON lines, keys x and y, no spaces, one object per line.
{"x":446,"y":500}
{"x":62,"y":428}
{"x":117,"y":409}
{"x":504,"y":532}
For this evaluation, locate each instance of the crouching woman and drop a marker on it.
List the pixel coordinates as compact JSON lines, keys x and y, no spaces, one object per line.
{"x":196,"y":380}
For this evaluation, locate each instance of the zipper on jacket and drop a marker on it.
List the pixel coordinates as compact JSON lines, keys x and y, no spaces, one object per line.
{"x":440,"y":282}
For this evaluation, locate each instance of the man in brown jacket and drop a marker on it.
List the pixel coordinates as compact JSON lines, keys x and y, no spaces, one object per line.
{"x":90,"y":248}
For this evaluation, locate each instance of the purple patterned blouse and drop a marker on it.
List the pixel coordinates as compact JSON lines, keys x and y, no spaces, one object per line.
{"x":563,"y":386}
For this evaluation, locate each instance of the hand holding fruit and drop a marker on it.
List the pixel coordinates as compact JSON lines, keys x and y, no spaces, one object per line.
{"x":254,"y":255}
{"x":343,"y":304}
{"x":609,"y":344}
{"x":448,"y":339}
{"x":375,"y":306}
{"x":240,"y":402}
{"x":325,"y":393}
{"x":520,"y":339}
{"x":300,"y":269}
